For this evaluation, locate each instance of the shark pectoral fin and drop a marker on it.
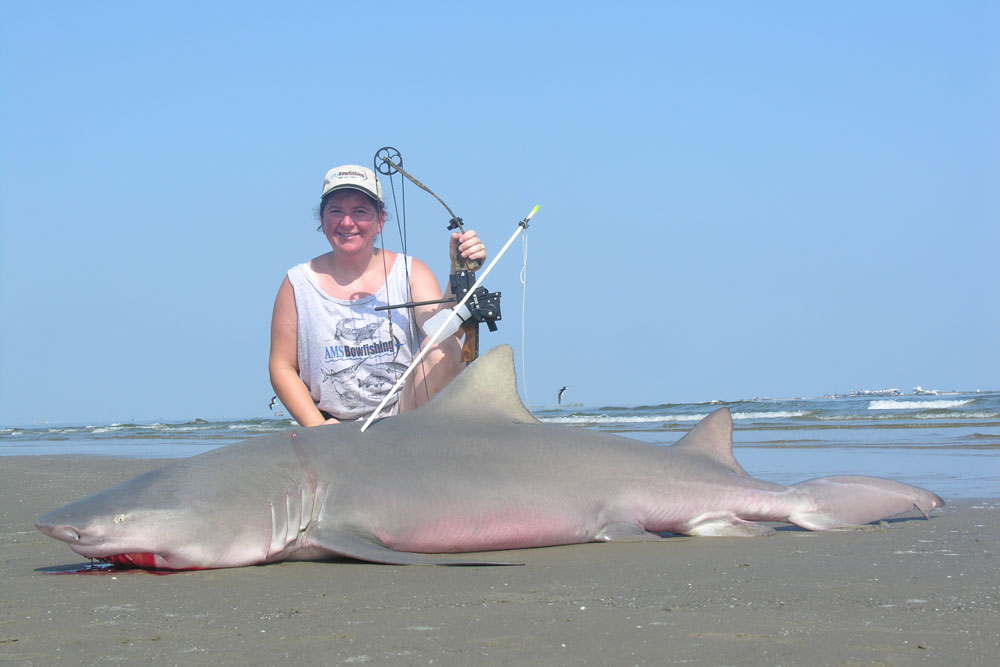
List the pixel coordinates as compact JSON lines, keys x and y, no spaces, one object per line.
{"x":369,"y":549}
{"x":864,"y":528}
{"x":621,"y":531}
{"x":729,"y":527}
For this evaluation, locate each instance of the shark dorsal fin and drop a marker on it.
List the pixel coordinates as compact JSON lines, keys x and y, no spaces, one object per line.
{"x":488,"y":387}
{"x":713,"y":435}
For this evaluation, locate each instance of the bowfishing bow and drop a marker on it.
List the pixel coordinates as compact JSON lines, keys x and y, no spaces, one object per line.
{"x":466,"y":288}
{"x":484,"y":306}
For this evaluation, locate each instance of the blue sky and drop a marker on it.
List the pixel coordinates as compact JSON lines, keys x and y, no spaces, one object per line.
{"x":737,"y":199}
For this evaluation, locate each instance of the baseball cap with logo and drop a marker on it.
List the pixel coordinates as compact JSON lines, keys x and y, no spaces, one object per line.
{"x":354,"y":177}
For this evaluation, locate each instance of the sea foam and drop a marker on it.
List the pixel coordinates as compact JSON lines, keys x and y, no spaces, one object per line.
{"x":917,"y":405}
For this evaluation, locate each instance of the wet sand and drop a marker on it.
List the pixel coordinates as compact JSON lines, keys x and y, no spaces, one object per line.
{"x":913,"y":592}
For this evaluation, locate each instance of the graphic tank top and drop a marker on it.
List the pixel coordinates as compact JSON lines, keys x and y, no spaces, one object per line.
{"x":349,"y":356}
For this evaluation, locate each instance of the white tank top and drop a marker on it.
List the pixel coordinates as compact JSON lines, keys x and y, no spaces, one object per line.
{"x":349,"y":356}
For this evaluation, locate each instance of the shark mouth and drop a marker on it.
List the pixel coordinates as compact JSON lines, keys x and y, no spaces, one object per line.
{"x":144,"y":560}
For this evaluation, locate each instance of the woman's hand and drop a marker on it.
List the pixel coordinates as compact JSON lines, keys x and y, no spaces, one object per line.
{"x":468,"y":247}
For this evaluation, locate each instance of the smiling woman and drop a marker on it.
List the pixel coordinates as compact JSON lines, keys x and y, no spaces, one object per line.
{"x":334,"y":357}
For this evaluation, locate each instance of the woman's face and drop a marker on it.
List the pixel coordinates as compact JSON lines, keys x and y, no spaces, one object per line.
{"x":351,"y":221}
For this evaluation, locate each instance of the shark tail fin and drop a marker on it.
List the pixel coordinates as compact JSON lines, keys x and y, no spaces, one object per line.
{"x":847,"y":501}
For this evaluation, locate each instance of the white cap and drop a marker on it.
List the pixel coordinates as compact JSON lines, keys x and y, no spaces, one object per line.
{"x":354,"y":177}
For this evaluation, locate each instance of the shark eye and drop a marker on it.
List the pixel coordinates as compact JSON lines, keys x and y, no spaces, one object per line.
{"x":120,"y":518}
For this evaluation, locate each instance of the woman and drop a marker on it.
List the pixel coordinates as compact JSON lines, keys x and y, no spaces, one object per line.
{"x":333,"y":356}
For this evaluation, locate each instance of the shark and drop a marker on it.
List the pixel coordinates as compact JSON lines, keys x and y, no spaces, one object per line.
{"x":472,"y":470}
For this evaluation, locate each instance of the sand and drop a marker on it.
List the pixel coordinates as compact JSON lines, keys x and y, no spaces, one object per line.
{"x":913,"y":592}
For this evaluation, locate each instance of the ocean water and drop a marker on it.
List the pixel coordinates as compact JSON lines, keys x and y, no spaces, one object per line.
{"x":949,"y":444}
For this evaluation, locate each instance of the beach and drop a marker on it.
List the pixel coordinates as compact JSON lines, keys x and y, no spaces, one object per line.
{"x":911,"y":592}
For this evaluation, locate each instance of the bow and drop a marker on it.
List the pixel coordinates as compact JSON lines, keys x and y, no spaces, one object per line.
{"x":485,"y":306}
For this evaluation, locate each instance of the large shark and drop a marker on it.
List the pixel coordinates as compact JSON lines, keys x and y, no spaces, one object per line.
{"x":472,"y":470}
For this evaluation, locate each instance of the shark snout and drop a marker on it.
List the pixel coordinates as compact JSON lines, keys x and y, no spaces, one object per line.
{"x":59,"y":531}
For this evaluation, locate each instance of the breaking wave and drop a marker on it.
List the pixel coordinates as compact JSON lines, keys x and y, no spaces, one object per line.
{"x":918,"y":405}
{"x":662,"y":419}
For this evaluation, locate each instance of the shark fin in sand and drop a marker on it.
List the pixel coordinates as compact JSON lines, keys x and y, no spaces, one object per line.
{"x":713,"y":435}
{"x":621,"y":531}
{"x":367,"y":548}
{"x":487,"y":386}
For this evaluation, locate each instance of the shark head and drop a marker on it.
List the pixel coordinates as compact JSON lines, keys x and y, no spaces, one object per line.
{"x":152,"y":521}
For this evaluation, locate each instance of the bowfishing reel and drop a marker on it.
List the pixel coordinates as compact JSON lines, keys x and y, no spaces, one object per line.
{"x":483,"y":305}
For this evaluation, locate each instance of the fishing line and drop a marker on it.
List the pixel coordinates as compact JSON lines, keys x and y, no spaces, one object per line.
{"x":524,"y":300}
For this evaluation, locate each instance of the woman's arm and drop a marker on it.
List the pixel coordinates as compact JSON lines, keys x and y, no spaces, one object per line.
{"x":283,"y":362}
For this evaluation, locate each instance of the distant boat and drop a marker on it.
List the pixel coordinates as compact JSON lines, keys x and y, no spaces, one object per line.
{"x":920,"y":391}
